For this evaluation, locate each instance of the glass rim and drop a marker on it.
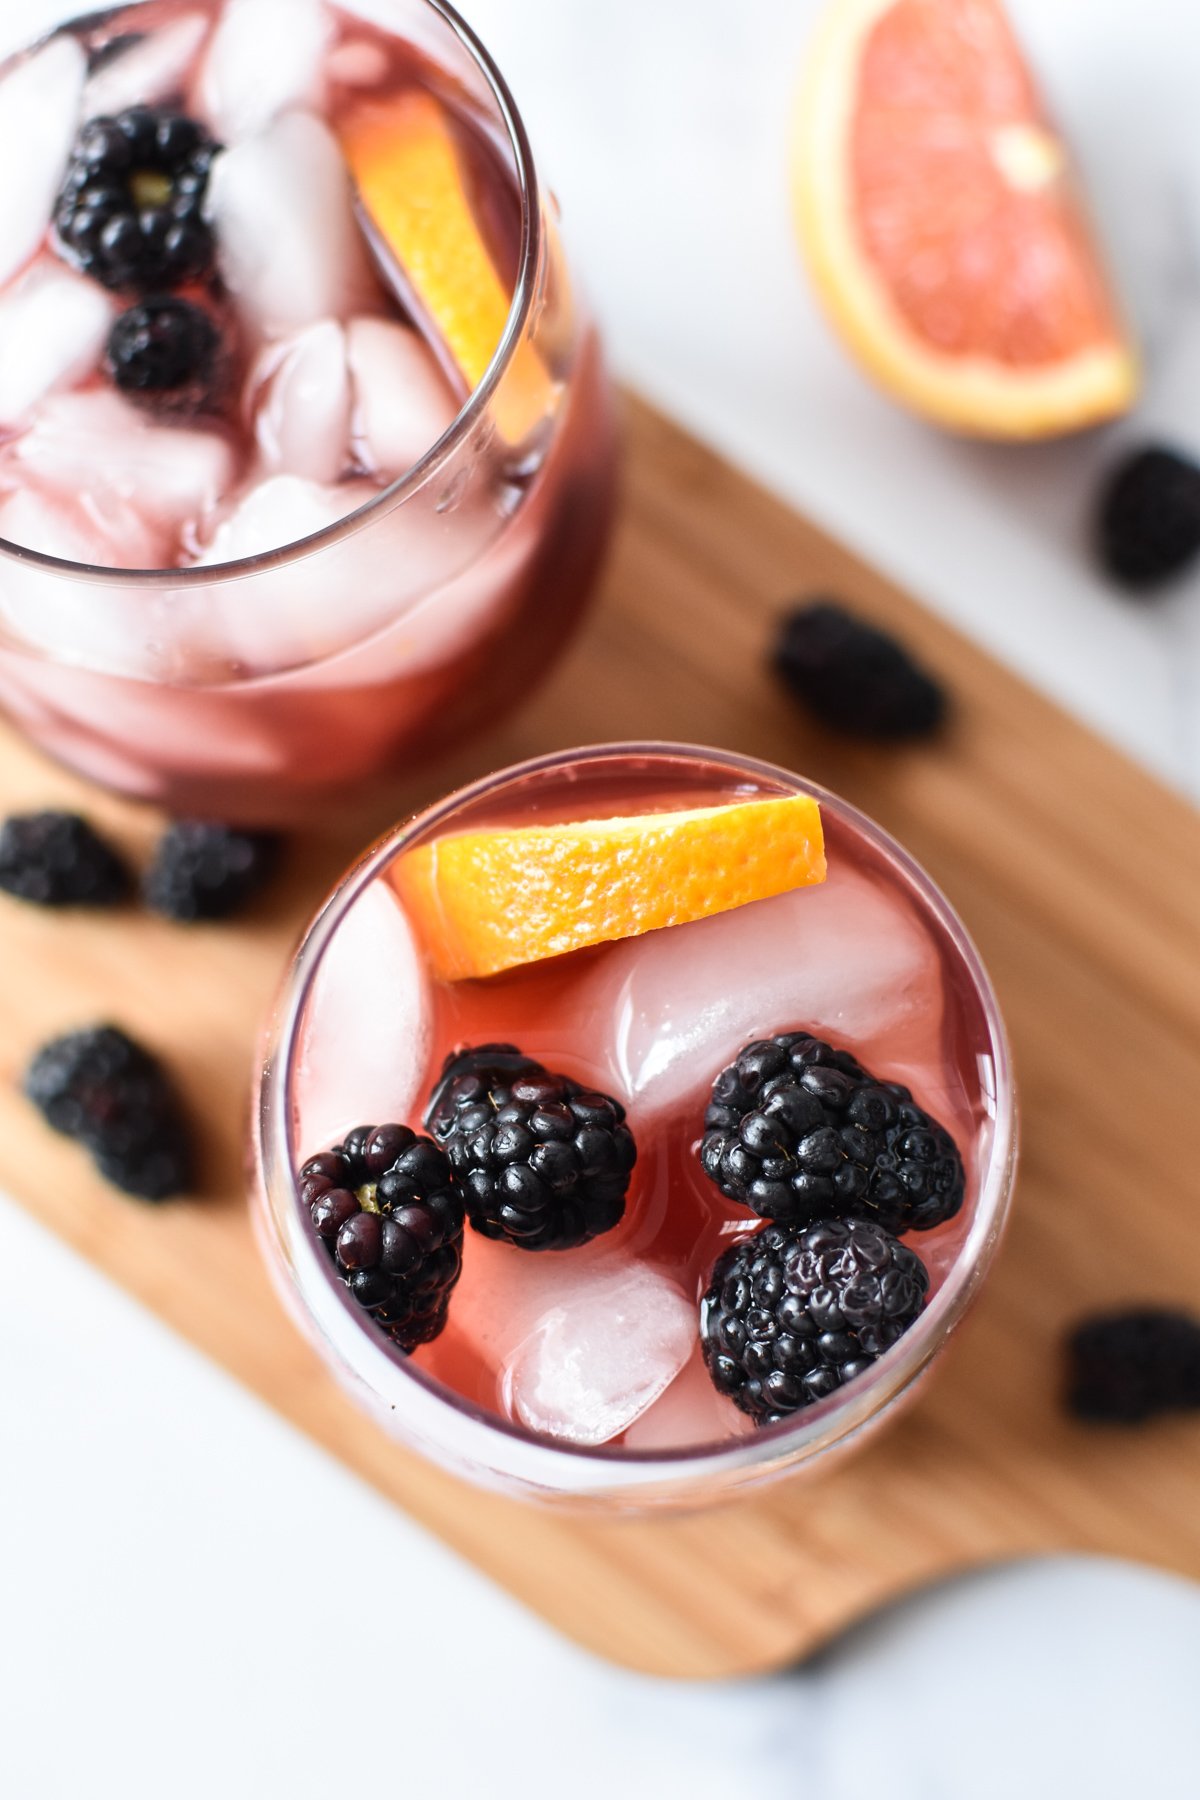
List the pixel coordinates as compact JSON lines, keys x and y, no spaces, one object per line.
{"x":470,"y":413}
{"x":566,"y":1469}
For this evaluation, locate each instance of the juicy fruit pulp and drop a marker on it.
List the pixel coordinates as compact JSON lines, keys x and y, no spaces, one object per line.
{"x":601,"y":1345}
{"x":942,"y":227}
{"x":492,"y":900}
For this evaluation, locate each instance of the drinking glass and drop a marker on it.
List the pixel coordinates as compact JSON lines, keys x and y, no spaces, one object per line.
{"x":255,"y":690}
{"x":405,"y":1394}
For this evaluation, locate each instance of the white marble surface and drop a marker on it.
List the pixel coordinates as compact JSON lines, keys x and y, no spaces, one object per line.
{"x":195,"y":1602}
{"x":183,"y":1606}
{"x":664,"y":129}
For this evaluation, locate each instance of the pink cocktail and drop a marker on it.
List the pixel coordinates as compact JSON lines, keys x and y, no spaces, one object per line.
{"x":294,"y":491}
{"x":559,"y":1361}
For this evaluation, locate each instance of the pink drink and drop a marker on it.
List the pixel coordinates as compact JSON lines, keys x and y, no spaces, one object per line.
{"x":325,"y":557}
{"x":587,"y":1362}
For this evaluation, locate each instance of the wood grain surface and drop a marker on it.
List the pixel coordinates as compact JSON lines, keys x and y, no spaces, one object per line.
{"x":1080,"y":879}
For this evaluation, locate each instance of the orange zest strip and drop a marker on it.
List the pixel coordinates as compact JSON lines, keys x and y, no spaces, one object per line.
{"x":404,"y":161}
{"x":485,"y":901}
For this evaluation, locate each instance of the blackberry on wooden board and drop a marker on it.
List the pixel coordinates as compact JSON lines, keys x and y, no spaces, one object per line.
{"x":1129,"y":1366}
{"x":203,"y":871}
{"x":57,"y":859}
{"x":854,"y":678}
{"x":110,"y":1094}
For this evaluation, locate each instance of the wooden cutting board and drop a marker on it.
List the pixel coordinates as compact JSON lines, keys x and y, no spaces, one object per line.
{"x":1079,"y":877}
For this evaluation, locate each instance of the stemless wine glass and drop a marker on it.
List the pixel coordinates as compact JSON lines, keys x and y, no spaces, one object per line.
{"x":251,"y":689}
{"x":416,"y":1398}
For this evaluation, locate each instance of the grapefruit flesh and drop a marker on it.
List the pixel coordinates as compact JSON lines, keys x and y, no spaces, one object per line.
{"x":944,"y":229}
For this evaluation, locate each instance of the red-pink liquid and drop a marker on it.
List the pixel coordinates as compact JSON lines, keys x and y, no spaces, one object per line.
{"x":250,"y":699}
{"x":863,"y":961}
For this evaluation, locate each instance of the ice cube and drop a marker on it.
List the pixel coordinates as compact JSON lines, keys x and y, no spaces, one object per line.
{"x":39,"y":113}
{"x":97,"y":445}
{"x":152,"y":69}
{"x":52,"y":330}
{"x":385,"y":13}
{"x":265,"y":58}
{"x":444,"y":614}
{"x":76,"y":622}
{"x":689,"y":1413}
{"x":309,"y":607}
{"x":288,"y":242}
{"x":845,"y":958}
{"x":365,"y":1037}
{"x":303,"y":416}
{"x":391,"y":571}
{"x":358,"y":64}
{"x":278,"y":512}
{"x":66,"y":527}
{"x":402,"y":402}
{"x":427,"y":32}
{"x":614,"y":1337}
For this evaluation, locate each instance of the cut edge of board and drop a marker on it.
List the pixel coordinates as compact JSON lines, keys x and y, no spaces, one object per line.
{"x":1080,"y":939}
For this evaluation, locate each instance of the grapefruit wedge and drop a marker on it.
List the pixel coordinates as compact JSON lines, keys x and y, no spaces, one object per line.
{"x":942,"y":226}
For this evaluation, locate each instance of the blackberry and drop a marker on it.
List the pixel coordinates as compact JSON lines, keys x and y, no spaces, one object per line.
{"x":1126,"y":1367}
{"x":1149,"y":517}
{"x":385,"y":1205}
{"x":204,"y":871}
{"x":56,"y":859}
{"x":792,"y":1314}
{"x":853,"y":677}
{"x":799,"y":1131}
{"x":163,"y":352}
{"x":109,"y":1094}
{"x":543,"y":1162}
{"x":131,"y":210}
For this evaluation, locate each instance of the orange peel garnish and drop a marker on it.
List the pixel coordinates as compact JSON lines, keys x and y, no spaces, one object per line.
{"x":485,"y":901}
{"x":409,"y":176}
